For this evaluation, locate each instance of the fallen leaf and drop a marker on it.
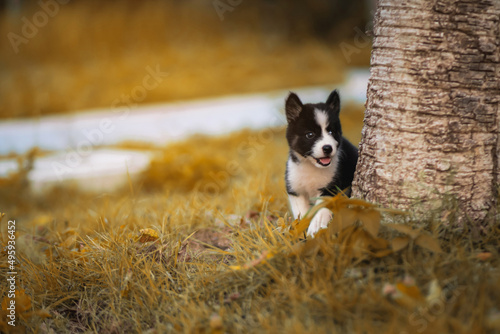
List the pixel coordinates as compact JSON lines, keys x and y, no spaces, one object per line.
{"x":382,"y":253}
{"x":23,"y":301}
{"x":147,"y":235}
{"x":405,"y":229}
{"x":399,"y":243}
{"x":484,"y":256}
{"x":410,"y":290}
{"x":281,"y":224}
{"x":308,"y":248}
{"x":343,"y":218}
{"x":300,"y":226}
{"x":405,"y":293}
{"x":409,"y":295}
{"x":370,"y":219}
{"x":43,"y":313}
{"x":362,"y":244}
{"x":428,"y":242}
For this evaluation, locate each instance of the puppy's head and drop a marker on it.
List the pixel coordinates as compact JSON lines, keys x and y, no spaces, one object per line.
{"x":314,"y":131}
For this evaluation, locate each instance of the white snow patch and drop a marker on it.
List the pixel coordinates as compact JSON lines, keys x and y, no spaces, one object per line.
{"x":82,"y":134}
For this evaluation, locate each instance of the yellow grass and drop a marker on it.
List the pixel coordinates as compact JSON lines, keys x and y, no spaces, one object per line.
{"x":203,"y":241}
{"x":202,"y":244}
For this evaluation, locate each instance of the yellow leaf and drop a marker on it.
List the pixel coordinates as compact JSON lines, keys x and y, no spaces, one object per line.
{"x":399,"y":243}
{"x":370,"y":219}
{"x":411,"y":291}
{"x":412,"y":233}
{"x":382,"y":253}
{"x":343,"y":218}
{"x":23,"y":301}
{"x":43,"y":313}
{"x":300,"y":226}
{"x":40,"y":313}
{"x":281,"y":223}
{"x":428,"y":242}
{"x":406,"y":294}
{"x":147,"y":234}
{"x":308,"y":248}
{"x":332,"y":203}
{"x":363,"y":243}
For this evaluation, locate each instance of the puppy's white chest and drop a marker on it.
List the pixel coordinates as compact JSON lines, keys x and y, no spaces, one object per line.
{"x":305,"y":179}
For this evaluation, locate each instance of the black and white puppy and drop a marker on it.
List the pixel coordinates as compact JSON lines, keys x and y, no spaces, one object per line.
{"x":321,"y":161}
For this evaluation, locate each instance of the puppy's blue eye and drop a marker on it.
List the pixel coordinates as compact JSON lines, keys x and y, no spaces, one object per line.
{"x":330,"y":132}
{"x":310,"y":135}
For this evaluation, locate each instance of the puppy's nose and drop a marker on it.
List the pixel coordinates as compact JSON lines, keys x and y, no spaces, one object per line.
{"x":327,"y":149}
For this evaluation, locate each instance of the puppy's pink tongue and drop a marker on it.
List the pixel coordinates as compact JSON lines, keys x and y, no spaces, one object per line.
{"x":325,"y":161}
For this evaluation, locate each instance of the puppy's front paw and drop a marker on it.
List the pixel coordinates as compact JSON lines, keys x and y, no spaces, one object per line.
{"x":319,"y":221}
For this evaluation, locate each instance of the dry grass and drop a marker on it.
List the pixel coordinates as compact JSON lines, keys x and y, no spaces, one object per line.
{"x":200,"y":247}
{"x":203,"y":242}
{"x":93,"y":53}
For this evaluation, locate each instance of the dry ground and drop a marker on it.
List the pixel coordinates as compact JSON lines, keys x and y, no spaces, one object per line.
{"x":203,"y":243}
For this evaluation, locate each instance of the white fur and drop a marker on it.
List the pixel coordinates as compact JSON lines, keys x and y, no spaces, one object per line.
{"x":300,"y":205}
{"x":306,"y":177}
{"x":326,"y":139}
{"x":320,"y":220}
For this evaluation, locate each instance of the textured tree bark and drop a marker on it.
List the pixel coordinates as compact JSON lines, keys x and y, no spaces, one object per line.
{"x":432,"y":120}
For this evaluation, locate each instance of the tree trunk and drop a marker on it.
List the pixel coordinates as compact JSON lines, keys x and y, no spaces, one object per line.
{"x":431,"y":125}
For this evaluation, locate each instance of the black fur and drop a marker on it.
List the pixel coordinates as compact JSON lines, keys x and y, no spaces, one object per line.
{"x":301,"y":120}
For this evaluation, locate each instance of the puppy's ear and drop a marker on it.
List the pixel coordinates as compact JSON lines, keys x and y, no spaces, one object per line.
{"x":333,"y":101}
{"x":293,"y":107}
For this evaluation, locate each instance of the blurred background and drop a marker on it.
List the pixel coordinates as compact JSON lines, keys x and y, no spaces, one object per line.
{"x":94,"y":93}
{"x":60,"y":56}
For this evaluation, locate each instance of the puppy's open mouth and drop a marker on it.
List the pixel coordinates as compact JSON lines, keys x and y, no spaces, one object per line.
{"x":324,"y":161}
